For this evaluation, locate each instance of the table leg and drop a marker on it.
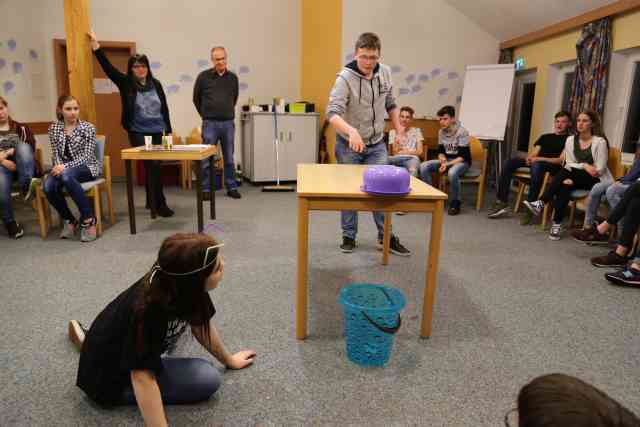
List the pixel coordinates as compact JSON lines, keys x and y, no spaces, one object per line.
{"x":212,"y":189}
{"x":151,"y":185}
{"x":432,"y":269}
{"x":303,"y":246}
{"x":199,"y":183}
{"x":386,"y":240}
{"x":132,"y":208}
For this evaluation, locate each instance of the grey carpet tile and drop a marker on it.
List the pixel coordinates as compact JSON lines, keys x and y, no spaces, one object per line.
{"x":510,"y":305}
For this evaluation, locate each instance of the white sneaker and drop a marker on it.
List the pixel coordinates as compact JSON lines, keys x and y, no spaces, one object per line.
{"x":555,"y":233}
{"x":535,"y":207}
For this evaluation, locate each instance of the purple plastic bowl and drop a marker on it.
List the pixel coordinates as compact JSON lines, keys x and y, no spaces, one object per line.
{"x":386,"y":179}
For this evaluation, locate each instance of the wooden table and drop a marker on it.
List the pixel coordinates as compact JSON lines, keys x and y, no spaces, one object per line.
{"x":337,"y":187}
{"x":194,"y":154}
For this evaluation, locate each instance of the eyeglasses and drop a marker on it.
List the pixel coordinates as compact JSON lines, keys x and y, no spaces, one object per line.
{"x":370,"y":58}
{"x":511,"y":418}
{"x":138,"y":66}
{"x":205,"y":263}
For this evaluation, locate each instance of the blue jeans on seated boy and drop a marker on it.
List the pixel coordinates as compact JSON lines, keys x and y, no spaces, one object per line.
{"x":25,"y":168}
{"x":372,"y":155}
{"x":223,"y":131}
{"x":410,"y":163}
{"x":537,"y":171}
{"x":69,"y":180}
{"x":453,"y":173}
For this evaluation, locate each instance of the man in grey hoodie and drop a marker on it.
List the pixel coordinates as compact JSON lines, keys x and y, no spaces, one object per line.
{"x":358,"y":101}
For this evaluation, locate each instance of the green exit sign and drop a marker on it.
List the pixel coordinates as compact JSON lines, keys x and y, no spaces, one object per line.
{"x":519,"y":63}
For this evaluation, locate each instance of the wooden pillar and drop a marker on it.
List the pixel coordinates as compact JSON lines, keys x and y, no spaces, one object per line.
{"x":79,"y":56}
{"x":321,"y":57}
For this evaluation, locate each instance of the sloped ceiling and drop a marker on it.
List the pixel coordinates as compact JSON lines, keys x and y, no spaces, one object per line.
{"x":506,"y":19}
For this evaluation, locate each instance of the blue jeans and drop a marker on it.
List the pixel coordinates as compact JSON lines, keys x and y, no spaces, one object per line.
{"x":223,"y":131}
{"x":537,"y":171}
{"x":25,"y":167}
{"x":69,"y":180}
{"x":410,"y":163}
{"x":183,"y":380}
{"x":593,"y":201}
{"x":454,"y":173}
{"x":372,"y":155}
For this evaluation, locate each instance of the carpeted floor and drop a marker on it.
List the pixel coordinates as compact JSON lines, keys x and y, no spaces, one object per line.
{"x":511,"y":305}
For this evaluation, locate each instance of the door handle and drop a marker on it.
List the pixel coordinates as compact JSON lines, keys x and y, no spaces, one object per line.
{"x":281,"y":136}
{"x":289,"y":136}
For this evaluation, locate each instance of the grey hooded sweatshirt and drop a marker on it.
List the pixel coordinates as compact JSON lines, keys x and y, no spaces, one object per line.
{"x":361,"y":102}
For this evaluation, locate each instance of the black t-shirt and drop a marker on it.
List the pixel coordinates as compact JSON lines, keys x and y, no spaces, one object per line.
{"x":551,"y":145}
{"x":121,"y":340}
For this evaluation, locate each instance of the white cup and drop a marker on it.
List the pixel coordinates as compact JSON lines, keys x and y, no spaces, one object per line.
{"x":148,"y":142}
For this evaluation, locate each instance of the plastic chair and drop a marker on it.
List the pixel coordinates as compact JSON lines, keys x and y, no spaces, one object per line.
{"x":474,"y":175}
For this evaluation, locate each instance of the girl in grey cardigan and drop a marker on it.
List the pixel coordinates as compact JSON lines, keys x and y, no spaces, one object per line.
{"x":585,"y":164}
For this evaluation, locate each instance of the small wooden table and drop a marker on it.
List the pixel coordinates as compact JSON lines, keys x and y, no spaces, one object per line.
{"x":337,"y":187}
{"x":194,"y":154}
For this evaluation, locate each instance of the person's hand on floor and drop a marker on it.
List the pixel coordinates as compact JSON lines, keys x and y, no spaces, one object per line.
{"x":241,"y":359}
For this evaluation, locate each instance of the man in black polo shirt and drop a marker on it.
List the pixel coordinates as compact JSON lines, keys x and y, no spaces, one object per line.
{"x":545,"y":157}
{"x":215,"y":94}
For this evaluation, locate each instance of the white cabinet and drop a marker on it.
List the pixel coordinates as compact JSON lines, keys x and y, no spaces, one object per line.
{"x":298,"y":137}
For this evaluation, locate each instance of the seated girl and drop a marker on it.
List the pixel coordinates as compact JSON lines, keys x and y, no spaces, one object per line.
{"x":120,"y":360}
{"x":73,"y":147}
{"x":586,"y":155}
{"x":17,"y":148}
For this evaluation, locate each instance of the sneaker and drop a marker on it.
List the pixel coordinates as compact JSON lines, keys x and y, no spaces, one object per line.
{"x":395,"y":247}
{"x":234,"y":194}
{"x":77,"y":333}
{"x":536,"y":207}
{"x":348,"y":245}
{"x":165,"y":212}
{"x":14,"y":229}
{"x":454,"y":208}
{"x":33,"y":186}
{"x":526,"y":217}
{"x":590,"y":236}
{"x":88,"y":232}
{"x":555,"y":233}
{"x":612,"y":259}
{"x":68,"y":229}
{"x":626,"y":277}
{"x":500,"y":210}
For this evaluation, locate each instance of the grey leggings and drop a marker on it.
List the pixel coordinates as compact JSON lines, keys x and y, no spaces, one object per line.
{"x":183,"y":380}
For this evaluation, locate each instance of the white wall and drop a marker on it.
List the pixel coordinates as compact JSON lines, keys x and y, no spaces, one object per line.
{"x":261,"y":36}
{"x":428,"y":44}
{"x":26,"y":85}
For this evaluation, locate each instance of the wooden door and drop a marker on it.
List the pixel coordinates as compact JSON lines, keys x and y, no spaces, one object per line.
{"x":108,"y":105}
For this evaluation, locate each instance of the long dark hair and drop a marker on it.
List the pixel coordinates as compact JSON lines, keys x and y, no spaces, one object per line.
{"x":138,"y":59}
{"x":596,"y":124}
{"x":562,"y":400}
{"x":169,"y":287}
{"x":61,"y":101}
